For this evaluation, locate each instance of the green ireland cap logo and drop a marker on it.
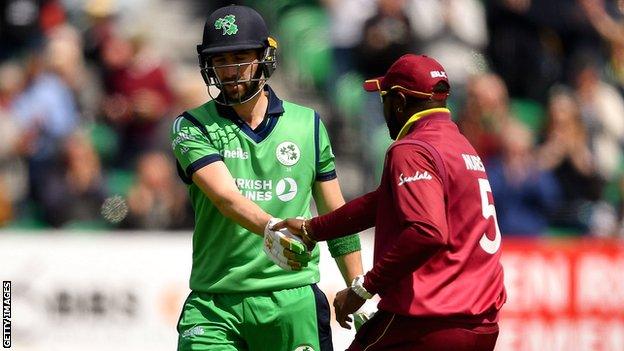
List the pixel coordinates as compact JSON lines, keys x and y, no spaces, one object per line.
{"x":227,"y":24}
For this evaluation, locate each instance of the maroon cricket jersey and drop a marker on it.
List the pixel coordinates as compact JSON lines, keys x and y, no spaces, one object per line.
{"x":437,"y":242}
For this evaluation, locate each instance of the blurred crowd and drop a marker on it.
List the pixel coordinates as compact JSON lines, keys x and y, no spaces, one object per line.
{"x":87,"y":95}
{"x":85,"y":107}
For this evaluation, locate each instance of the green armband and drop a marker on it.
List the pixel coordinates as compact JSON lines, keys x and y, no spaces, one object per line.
{"x":345,"y":245}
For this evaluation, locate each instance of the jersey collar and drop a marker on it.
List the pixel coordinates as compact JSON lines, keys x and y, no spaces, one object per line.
{"x":274,"y":110}
{"x":275,"y":106}
{"x":410,"y":122}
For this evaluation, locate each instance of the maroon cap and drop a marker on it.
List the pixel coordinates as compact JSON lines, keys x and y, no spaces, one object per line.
{"x":412,"y":74}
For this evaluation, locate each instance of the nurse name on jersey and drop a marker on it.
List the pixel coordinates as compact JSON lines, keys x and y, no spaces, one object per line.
{"x":473,"y":163}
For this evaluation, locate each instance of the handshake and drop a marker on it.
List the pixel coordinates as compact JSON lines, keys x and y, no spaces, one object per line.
{"x":286,"y":249}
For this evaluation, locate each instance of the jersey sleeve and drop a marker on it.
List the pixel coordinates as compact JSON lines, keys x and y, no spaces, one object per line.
{"x":325,"y":166}
{"x":418,"y":192}
{"x":191,"y":147}
{"x":353,"y":217}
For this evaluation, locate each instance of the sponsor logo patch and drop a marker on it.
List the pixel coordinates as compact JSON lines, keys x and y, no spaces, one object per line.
{"x":180,"y":137}
{"x":286,"y":189}
{"x":438,"y":74}
{"x":197,"y":330}
{"x":236,"y":153}
{"x":255,"y":189}
{"x":418,"y":176}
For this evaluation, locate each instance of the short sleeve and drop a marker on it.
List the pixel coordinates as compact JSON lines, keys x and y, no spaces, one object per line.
{"x":325,"y":159}
{"x":192,"y":149}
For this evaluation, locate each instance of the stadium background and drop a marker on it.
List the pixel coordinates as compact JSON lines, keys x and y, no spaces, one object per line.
{"x":89,"y":88}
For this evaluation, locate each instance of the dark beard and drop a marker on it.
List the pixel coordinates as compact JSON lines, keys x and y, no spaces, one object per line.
{"x":250,"y":89}
{"x":393,"y":127}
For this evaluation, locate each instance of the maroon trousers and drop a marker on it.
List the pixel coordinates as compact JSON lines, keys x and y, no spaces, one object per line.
{"x":392,"y":332}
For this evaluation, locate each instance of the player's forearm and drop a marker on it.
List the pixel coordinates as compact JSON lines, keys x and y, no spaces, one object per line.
{"x":353,"y":217}
{"x":328,"y":196}
{"x":244,"y":212}
{"x":217,"y":183}
{"x":350,"y":266}
{"x":347,"y":250}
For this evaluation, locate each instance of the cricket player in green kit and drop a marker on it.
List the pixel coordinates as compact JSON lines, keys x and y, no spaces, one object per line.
{"x":249,"y":159}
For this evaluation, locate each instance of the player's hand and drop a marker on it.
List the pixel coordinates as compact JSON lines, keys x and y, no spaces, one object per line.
{"x":295,"y":225}
{"x":285,"y":249}
{"x":345,"y":303}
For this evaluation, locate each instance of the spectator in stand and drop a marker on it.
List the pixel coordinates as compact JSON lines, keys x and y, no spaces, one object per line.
{"x":6,"y":207}
{"x":386,"y":36}
{"x":46,"y":111}
{"x":485,"y":111}
{"x":157,"y":200}
{"x":455,"y":32}
{"x":101,"y":26}
{"x":525,"y":194}
{"x":65,"y":56}
{"x":616,"y":66}
{"x":602,"y":111}
{"x":19,"y":26}
{"x":533,"y":42}
{"x":346,"y":20}
{"x":74,"y":190}
{"x":619,"y":231}
{"x":565,"y":150}
{"x":605,"y":23}
{"x":14,"y":145}
{"x":189,"y":91}
{"x":138,"y":95}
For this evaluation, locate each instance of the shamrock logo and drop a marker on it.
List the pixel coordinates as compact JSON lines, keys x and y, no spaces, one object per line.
{"x":288,"y":153}
{"x":304,"y":348}
{"x":227,"y":24}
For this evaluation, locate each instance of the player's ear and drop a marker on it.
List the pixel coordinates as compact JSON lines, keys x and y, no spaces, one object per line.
{"x":400,"y":102}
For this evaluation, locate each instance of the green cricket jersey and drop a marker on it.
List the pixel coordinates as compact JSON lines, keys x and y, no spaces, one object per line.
{"x":274,"y":165}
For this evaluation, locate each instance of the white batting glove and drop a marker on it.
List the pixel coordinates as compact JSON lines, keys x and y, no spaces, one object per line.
{"x":285,"y":249}
{"x":365,"y":313}
{"x":359,"y":318}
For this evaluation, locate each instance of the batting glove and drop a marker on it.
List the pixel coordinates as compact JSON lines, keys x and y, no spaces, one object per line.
{"x":285,"y":249}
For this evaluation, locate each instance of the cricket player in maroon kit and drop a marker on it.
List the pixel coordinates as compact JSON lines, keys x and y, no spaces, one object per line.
{"x":437,"y":242}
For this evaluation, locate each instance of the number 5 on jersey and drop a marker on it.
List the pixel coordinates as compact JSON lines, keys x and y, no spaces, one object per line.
{"x":489,"y":246}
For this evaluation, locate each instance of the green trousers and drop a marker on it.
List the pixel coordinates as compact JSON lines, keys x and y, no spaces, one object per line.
{"x":294,"y":319}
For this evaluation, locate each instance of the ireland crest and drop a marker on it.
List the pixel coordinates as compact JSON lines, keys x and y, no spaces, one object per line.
{"x":288,"y":153}
{"x":227,"y":24}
